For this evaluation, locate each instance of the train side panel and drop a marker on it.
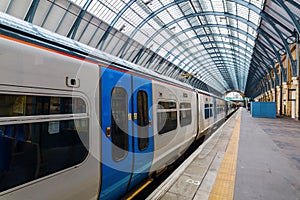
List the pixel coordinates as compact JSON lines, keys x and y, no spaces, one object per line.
{"x":27,"y":71}
{"x":174,"y":123}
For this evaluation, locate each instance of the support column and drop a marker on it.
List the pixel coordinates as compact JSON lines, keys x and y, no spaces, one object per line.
{"x":269,"y":96}
{"x":273,"y":95}
{"x":279,"y":100}
{"x":294,"y":99}
{"x":284,"y":98}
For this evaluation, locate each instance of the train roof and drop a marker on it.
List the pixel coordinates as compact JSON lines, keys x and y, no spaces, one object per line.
{"x":88,"y":51}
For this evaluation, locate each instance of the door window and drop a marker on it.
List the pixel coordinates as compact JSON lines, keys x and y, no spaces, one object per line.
{"x":142,"y":120}
{"x":119,"y":123}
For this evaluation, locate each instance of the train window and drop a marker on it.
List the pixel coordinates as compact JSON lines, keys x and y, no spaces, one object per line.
{"x":119,"y":123}
{"x":28,"y":105}
{"x":42,"y":145}
{"x":208,"y":110}
{"x":166,"y":117}
{"x":185,"y":114}
{"x":142,"y":120}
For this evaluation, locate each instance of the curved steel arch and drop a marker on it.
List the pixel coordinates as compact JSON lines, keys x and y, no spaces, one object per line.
{"x":273,"y":67}
{"x":202,"y":70}
{"x":286,"y":45}
{"x":229,"y":49}
{"x":210,"y":78}
{"x":291,"y":15}
{"x":243,"y":3}
{"x":100,"y":44}
{"x":195,"y":28}
{"x":234,"y":38}
{"x":236,"y":61}
{"x":251,"y":24}
{"x":276,"y":53}
{"x":270,"y":68}
{"x":204,"y":35}
{"x":229,"y":56}
{"x":253,"y":8}
{"x":207,"y":64}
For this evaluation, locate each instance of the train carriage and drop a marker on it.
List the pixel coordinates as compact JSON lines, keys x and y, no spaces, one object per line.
{"x":76,"y":123}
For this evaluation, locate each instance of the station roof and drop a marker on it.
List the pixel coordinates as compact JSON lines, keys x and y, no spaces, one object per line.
{"x":217,"y":45}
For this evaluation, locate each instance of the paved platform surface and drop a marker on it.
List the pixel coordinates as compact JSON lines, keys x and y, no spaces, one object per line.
{"x":268,"y":165}
{"x":247,"y":158}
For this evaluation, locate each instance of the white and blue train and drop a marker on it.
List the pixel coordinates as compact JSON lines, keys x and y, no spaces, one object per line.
{"x":76,"y":123}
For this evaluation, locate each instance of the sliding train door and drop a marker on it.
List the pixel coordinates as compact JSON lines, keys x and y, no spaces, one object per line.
{"x":143,"y":131}
{"x":127,"y":136}
{"x":116,"y":125}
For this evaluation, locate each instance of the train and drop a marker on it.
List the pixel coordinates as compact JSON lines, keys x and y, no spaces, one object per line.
{"x":77,"y":123}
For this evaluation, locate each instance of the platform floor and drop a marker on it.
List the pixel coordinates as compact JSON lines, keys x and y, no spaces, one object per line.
{"x":247,"y":158}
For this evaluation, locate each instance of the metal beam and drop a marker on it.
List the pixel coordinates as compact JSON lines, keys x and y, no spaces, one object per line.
{"x":32,"y":10}
{"x":72,"y":32}
{"x":289,"y":12}
{"x":113,"y":23}
{"x":254,"y":26}
{"x":286,"y":45}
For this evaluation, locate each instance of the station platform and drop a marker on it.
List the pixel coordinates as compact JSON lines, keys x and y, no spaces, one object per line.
{"x":246,"y":158}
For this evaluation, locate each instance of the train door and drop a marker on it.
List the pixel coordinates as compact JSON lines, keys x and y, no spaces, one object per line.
{"x":143,"y":131}
{"x":215,"y":109}
{"x":116,"y":124}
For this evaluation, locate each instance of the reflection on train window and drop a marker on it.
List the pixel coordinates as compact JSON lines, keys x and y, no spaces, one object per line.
{"x":28,"y":105}
{"x":166,"y":117}
{"x":185,"y":114}
{"x":33,"y":150}
{"x":119,"y":123}
{"x":220,"y":109}
{"x":208,"y":110}
{"x":142,"y":120}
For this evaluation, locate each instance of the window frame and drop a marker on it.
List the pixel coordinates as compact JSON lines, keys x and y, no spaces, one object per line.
{"x":143,"y":138}
{"x":47,"y":118}
{"x":114,"y":146}
{"x":189,"y":109}
{"x":168,"y":110}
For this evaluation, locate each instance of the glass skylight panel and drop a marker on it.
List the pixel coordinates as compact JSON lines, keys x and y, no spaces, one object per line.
{"x":231,"y":7}
{"x":254,"y":17}
{"x":242,"y":11}
{"x":183,"y":24}
{"x":206,"y":5}
{"x":243,"y":26}
{"x":154,"y":5}
{"x":165,"y":17}
{"x":140,"y":10}
{"x":258,"y":3}
{"x":190,"y":34}
{"x":102,"y":11}
{"x":80,"y":3}
{"x":141,"y":37}
{"x":218,"y":5}
{"x":153,"y":24}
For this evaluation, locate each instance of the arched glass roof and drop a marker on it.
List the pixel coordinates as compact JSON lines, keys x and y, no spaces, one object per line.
{"x":225,"y":44}
{"x":190,"y":34}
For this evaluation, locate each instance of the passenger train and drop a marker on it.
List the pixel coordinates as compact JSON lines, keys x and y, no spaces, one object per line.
{"x":77,"y":123}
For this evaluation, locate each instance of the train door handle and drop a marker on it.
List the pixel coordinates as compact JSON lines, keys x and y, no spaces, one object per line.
{"x":108,"y":133}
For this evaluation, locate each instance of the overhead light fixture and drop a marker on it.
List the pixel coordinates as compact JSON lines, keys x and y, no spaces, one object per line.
{"x":281,"y":51}
{"x":148,"y":2}
{"x":291,"y":39}
{"x":122,"y":28}
{"x":172,"y":28}
{"x":222,"y":18}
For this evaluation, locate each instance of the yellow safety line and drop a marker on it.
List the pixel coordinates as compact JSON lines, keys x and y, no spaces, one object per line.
{"x":223,"y":188}
{"x":140,"y":189}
